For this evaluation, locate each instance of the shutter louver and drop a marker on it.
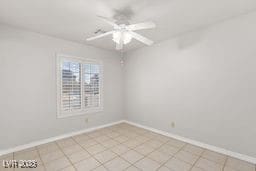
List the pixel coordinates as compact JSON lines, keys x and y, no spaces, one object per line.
{"x":79,"y":86}
{"x":91,"y":85}
{"x":71,"y":86}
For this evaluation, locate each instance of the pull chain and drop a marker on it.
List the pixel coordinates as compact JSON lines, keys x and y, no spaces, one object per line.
{"x":122,"y":58}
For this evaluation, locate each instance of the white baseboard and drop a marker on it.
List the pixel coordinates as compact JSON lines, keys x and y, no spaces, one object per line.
{"x":36,"y":143}
{"x":187,"y":140}
{"x":197,"y":143}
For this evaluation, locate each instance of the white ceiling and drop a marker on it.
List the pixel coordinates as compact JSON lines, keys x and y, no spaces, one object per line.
{"x":76,"y":19}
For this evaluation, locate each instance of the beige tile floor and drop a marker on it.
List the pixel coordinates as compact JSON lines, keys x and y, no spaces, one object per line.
{"x":125,"y":147}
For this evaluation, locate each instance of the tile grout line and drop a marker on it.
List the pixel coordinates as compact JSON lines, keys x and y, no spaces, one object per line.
{"x":91,"y":156}
{"x":122,"y":143}
{"x":199,"y":157}
{"x":47,"y":154}
{"x":163,"y":164}
{"x":215,"y":161}
{"x":165,"y":161}
{"x":65,"y":156}
{"x":225,"y":164}
{"x":101,"y":164}
{"x":130,"y":148}
{"x":155,"y":149}
{"x":40,"y":157}
{"x":127,"y":130}
{"x":133,"y":148}
{"x":144,"y":156}
{"x":202,"y":157}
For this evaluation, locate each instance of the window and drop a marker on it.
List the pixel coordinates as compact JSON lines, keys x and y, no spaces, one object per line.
{"x":79,"y":84}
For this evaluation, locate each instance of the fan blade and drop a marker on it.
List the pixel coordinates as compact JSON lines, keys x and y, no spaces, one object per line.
{"x":99,"y":36}
{"x":141,"y":38}
{"x":140,"y":26}
{"x":109,"y":21}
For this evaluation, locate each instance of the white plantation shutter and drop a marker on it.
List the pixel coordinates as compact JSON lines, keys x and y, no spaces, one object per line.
{"x":79,"y":86}
{"x":91,"y":85}
{"x":71,"y":86}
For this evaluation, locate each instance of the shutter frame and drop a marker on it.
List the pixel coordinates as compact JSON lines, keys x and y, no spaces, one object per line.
{"x":60,"y":113}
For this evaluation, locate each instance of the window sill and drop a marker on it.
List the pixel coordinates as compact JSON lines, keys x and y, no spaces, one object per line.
{"x":78,"y":113}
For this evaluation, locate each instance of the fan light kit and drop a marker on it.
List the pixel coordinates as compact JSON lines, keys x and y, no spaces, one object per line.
{"x":123,"y":34}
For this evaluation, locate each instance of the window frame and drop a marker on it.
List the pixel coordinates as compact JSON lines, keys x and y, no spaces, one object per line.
{"x":83,"y":111}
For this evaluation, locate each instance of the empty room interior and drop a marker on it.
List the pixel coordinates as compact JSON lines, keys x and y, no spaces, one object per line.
{"x":128,"y":85}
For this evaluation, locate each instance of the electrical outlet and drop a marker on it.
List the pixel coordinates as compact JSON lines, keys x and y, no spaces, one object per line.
{"x":86,"y":120}
{"x":173,"y":124}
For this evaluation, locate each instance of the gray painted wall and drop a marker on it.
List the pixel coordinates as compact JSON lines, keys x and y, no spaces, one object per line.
{"x":204,"y":81}
{"x":28,"y":87}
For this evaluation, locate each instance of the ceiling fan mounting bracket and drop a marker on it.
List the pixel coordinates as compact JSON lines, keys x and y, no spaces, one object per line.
{"x":121,"y":19}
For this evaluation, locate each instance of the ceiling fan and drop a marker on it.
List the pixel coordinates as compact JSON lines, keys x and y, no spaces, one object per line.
{"x":123,"y":33}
